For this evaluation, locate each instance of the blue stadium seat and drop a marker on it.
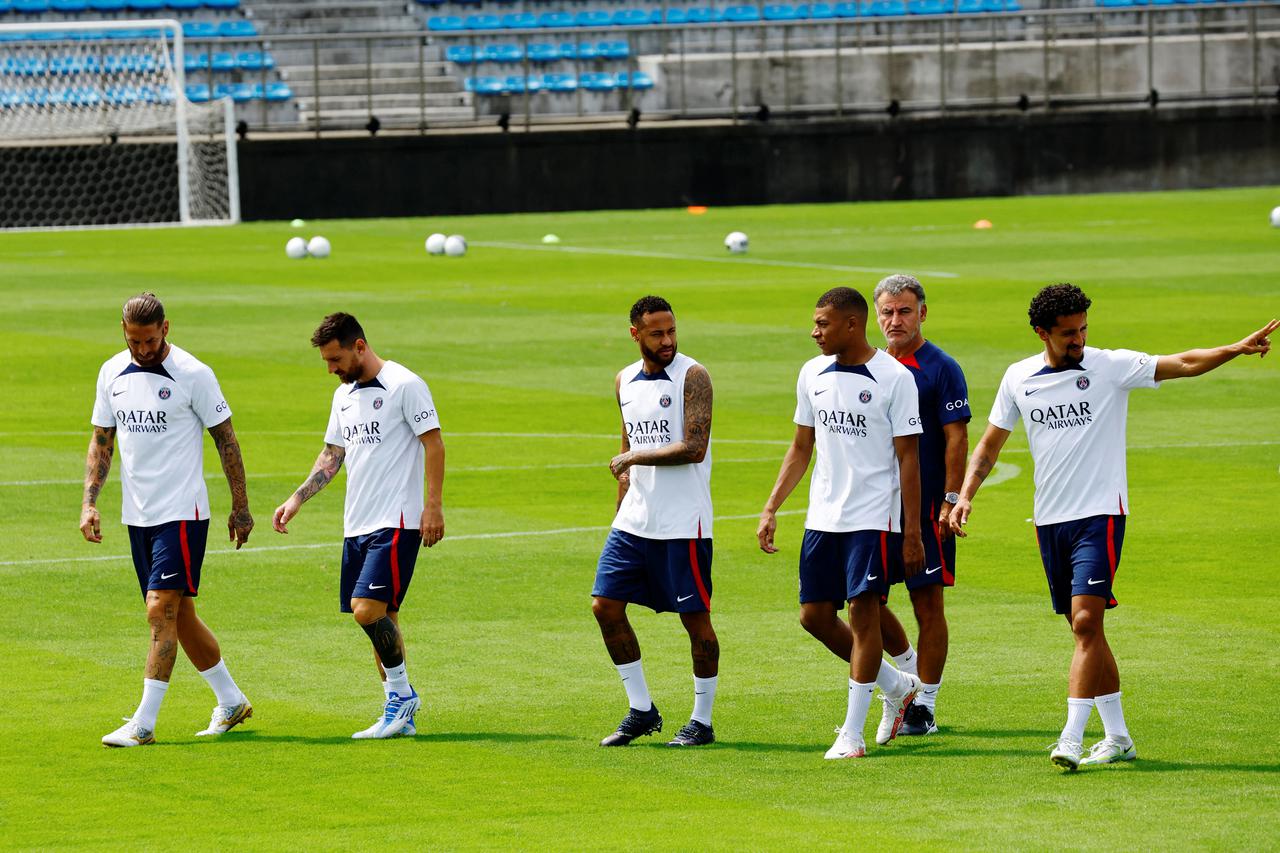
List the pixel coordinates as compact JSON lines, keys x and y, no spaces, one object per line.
{"x":77,"y":96}
{"x":483,"y":22}
{"x":780,"y":12}
{"x":534,"y":83}
{"x":893,"y":8}
{"x":598,"y":81}
{"x":198,"y":93}
{"x":614,"y":49}
{"x":677,"y":15}
{"x":463,"y":54}
{"x":588,"y":51}
{"x":632,"y":17}
{"x":969,"y":7}
{"x":639,"y":80}
{"x":821,"y":11}
{"x":123,"y":95}
{"x":926,"y":7}
{"x":238,"y":28}
{"x":542,"y":52}
{"x":72,"y":65}
{"x":741,"y":14}
{"x":224,"y":62}
{"x":555,"y":20}
{"x":568,"y":50}
{"x":242,"y":92}
{"x":199,"y":29}
{"x":255,"y":60}
{"x":514,"y":83}
{"x":6,"y":6}
{"x":520,"y":21}
{"x":147,"y":6}
{"x":445,"y":23}
{"x":9,"y":99}
{"x":560,"y":82}
{"x":222,"y":4}
{"x":25,"y":66}
{"x":849,"y":9}
{"x":106,"y":5}
{"x":485,"y":85}
{"x":195,"y":62}
{"x":592,"y":18}
{"x":704,"y":15}
{"x":182,"y":5}
{"x":31,"y":7}
{"x":503,"y":52}
{"x":69,"y":7}
{"x":276,"y":92}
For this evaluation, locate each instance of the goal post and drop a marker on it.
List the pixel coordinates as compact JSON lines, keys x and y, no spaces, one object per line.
{"x":96,"y":130}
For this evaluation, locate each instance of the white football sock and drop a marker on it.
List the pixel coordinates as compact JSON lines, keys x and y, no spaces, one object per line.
{"x":907,"y":661}
{"x":149,"y":708}
{"x":889,"y":680}
{"x":928,"y":695}
{"x":386,"y":688}
{"x":637,"y":688}
{"x":704,"y":696}
{"x":223,"y":685}
{"x":1078,"y":712}
{"x":398,"y":680}
{"x":1112,"y":716}
{"x":859,"y":701}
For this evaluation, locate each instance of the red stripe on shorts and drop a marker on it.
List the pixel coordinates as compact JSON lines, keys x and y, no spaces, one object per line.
{"x":186,"y":555}
{"x":697,"y":571}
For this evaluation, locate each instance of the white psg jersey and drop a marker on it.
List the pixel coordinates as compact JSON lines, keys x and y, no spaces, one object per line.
{"x":378,"y":422}
{"x":856,"y":411}
{"x":663,"y":501}
{"x":160,"y":415}
{"x":1075,"y":419}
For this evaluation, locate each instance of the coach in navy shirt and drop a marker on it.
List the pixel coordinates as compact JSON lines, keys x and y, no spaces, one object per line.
{"x":944,"y":415}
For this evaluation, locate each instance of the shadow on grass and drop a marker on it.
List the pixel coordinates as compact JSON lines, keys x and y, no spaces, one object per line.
{"x":252,"y":736}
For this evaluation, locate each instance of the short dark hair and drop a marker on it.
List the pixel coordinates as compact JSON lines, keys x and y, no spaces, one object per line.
{"x":844,"y":299}
{"x":648,"y":305}
{"x":340,"y":327}
{"x":1054,"y":301}
{"x":143,"y":310}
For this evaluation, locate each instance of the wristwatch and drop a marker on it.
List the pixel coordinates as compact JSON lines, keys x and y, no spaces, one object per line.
{"x":952,"y":497}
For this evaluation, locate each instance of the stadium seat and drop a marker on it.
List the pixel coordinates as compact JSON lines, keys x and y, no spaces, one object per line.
{"x":614,"y":49}
{"x":542,"y":52}
{"x":633,"y":17}
{"x":485,"y":85}
{"x":503,"y":52}
{"x":199,"y":30}
{"x":198,"y":93}
{"x":970,"y":7}
{"x":445,"y":23}
{"x":9,"y":99}
{"x":224,"y":5}
{"x":195,"y":62}
{"x":182,"y":5}
{"x":520,"y":21}
{"x":555,"y":20}
{"x":255,"y":60}
{"x":677,"y":16}
{"x":147,"y":6}
{"x":893,"y":8}
{"x":741,"y":14}
{"x":483,"y":22}
{"x":69,"y":7}
{"x":592,"y":18}
{"x":276,"y":92}
{"x":779,"y":12}
{"x":822,"y":11}
{"x":598,"y":81}
{"x":705,"y":15}
{"x":237,"y":28}
{"x":463,"y":54}
{"x":106,"y":5}
{"x":560,"y":82}
{"x":639,"y":80}
{"x":515,"y":84}
{"x":122,"y":96}
{"x":588,"y":51}
{"x":31,"y":7}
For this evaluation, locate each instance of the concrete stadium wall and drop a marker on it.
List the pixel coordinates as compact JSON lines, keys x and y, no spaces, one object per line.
{"x":851,"y":160}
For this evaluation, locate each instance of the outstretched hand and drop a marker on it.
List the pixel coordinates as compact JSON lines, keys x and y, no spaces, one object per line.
{"x":1260,"y":341}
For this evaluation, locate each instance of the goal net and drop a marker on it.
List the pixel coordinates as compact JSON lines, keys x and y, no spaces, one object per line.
{"x":96,"y":130}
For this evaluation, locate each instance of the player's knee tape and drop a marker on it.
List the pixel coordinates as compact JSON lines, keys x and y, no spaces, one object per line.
{"x":386,"y":641}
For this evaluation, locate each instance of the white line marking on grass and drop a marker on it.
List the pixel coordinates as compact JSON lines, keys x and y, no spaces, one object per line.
{"x":1004,"y":472}
{"x":672,"y":256}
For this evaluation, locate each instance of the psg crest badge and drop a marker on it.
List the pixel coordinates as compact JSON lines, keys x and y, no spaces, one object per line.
{"x":865,"y":396}
{"x":377,"y":404}
{"x":664,"y":400}
{"x":1082,"y":383}
{"x":164,"y":393}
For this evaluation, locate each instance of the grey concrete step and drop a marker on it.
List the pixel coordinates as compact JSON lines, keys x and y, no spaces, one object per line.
{"x":402,"y":86}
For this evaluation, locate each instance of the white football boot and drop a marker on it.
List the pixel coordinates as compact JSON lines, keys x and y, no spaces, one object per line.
{"x":130,"y":734}
{"x":227,"y":717}
{"x":846,"y":746}
{"x":1109,"y":750}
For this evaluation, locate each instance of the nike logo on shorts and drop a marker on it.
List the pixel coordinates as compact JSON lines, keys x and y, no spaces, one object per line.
{"x":379,"y":586}
{"x":684,"y":598}
{"x":166,"y":577}
{"x":933,"y":571}
{"x":872,"y":577}
{"x":1099,"y":580}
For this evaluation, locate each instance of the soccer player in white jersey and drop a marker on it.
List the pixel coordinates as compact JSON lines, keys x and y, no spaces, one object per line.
{"x":859,"y":407}
{"x":658,"y":553}
{"x":1074,"y":401}
{"x":383,"y":425}
{"x":156,"y":399}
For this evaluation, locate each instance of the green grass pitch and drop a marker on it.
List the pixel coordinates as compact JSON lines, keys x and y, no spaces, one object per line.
{"x":520,"y":343}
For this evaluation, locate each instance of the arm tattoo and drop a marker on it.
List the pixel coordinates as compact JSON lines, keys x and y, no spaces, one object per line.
{"x":98,"y":463}
{"x":325,"y":469}
{"x":981,"y":467}
{"x":697,"y":413}
{"x":224,"y":438}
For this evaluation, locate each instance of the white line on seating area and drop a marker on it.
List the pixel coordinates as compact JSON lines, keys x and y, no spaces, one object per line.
{"x":671,"y":256}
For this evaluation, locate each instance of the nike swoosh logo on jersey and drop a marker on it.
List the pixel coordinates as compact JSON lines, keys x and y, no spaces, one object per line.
{"x":627,"y":402}
{"x":379,"y":586}
{"x":117,"y":393}
{"x":166,"y":577}
{"x":1032,"y":391}
{"x":344,"y":408}
{"x":685,"y":598}
{"x":933,"y":571}
{"x":1099,"y":580}
{"x":823,"y":391}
